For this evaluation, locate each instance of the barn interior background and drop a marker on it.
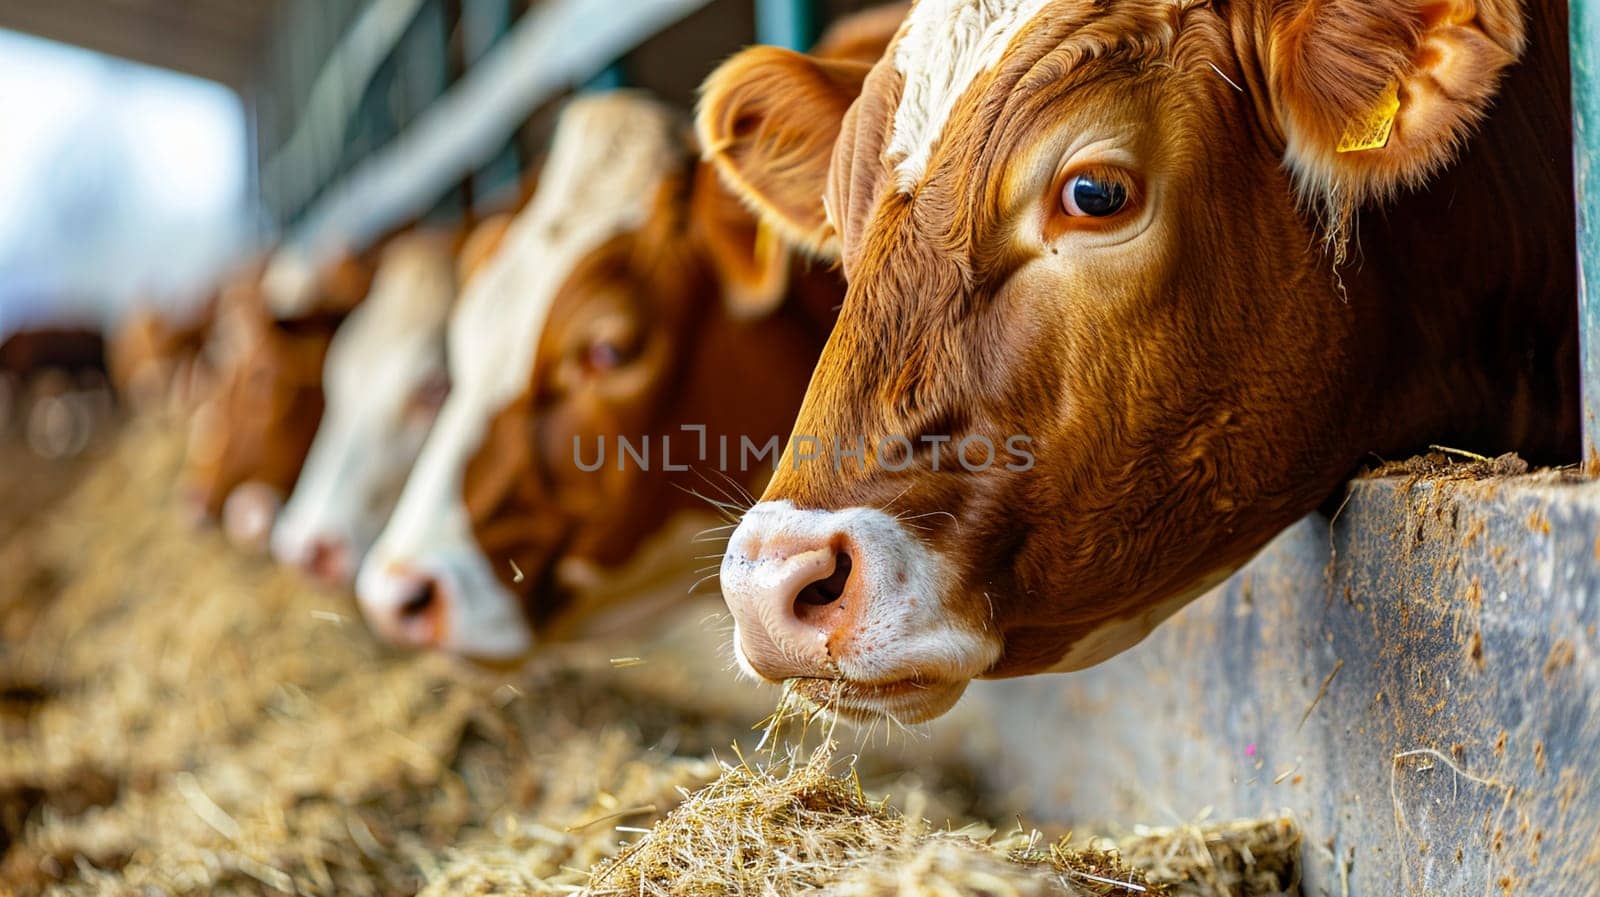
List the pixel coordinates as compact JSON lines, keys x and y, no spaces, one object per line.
{"x":1400,"y":697}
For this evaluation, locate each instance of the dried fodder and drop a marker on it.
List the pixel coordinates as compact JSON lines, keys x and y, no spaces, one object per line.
{"x":947,"y":867}
{"x":755,"y":831}
{"x":1243,"y":858}
{"x":796,"y":827}
{"x":180,"y":720}
{"x":1450,"y":465}
{"x":794,"y":823}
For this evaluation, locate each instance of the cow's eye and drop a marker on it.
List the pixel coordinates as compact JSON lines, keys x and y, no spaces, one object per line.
{"x":1094,"y":195}
{"x":609,"y":342}
{"x":604,"y":355}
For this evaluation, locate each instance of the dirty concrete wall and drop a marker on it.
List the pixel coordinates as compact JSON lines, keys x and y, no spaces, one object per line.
{"x":1419,"y":682}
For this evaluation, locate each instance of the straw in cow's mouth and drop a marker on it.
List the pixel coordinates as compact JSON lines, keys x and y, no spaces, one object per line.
{"x":902,"y":701}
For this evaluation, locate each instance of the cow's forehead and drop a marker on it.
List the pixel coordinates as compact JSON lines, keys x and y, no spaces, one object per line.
{"x":412,"y":291}
{"x":388,"y":343}
{"x":945,"y":47}
{"x":610,"y":157}
{"x":948,"y":48}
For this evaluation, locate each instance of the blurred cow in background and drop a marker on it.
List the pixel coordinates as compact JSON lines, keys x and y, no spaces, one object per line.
{"x":249,"y":438}
{"x":155,"y":357}
{"x":383,"y":382}
{"x":627,"y":299}
{"x":54,"y":389}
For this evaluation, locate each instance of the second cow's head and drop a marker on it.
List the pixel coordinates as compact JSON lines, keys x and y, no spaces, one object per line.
{"x":1092,"y":344}
{"x":383,"y":382}
{"x":632,"y":298}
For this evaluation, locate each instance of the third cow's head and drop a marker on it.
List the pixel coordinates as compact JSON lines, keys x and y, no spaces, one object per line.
{"x":249,"y":437}
{"x":1088,"y":290}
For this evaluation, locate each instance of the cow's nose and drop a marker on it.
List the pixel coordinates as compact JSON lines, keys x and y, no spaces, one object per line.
{"x":405,"y":608}
{"x":422,"y":613}
{"x":192,"y":508}
{"x":795,"y":604}
{"x":248,"y":515}
{"x":329,"y":560}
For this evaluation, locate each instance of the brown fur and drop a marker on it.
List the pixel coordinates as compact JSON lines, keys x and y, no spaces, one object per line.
{"x":1195,"y":388}
{"x":785,"y":162}
{"x":152,"y":355}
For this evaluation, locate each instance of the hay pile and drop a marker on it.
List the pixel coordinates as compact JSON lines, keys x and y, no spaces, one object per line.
{"x":792,"y":826}
{"x":798,"y":828}
{"x":184,"y":719}
{"x":176,"y":719}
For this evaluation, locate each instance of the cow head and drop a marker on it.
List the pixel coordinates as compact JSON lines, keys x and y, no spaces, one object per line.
{"x":155,"y":356}
{"x":383,"y":382}
{"x":632,"y":297}
{"x":302,"y":281}
{"x":249,"y":438}
{"x":1093,"y":339}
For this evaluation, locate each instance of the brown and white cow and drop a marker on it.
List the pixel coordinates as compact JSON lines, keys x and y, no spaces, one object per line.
{"x":155,"y":356}
{"x":249,"y":438}
{"x":302,"y":281}
{"x":1116,"y":228}
{"x":383,"y":382}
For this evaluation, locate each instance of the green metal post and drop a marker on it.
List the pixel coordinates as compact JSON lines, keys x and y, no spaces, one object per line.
{"x":786,"y":23}
{"x":487,"y":21}
{"x":1585,"y":41}
{"x":612,"y":77}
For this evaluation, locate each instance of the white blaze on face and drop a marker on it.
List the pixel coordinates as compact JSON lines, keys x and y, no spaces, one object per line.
{"x":290,"y":282}
{"x":384,"y":361}
{"x":610,"y":157}
{"x":945,"y":46}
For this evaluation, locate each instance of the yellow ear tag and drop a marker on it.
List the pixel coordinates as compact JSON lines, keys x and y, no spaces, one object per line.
{"x":1372,"y":130}
{"x":766,"y":241}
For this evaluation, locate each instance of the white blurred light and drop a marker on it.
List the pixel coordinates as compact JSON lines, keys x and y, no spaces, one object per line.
{"x":117,"y":180}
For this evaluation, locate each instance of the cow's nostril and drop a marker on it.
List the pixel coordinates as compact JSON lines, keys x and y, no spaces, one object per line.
{"x":824,"y":592}
{"x":424,"y":598}
{"x":328,"y":560}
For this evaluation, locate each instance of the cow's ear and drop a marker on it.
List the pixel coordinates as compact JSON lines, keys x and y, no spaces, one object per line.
{"x":768,"y":121}
{"x":1375,"y":96}
{"x":750,"y":261}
